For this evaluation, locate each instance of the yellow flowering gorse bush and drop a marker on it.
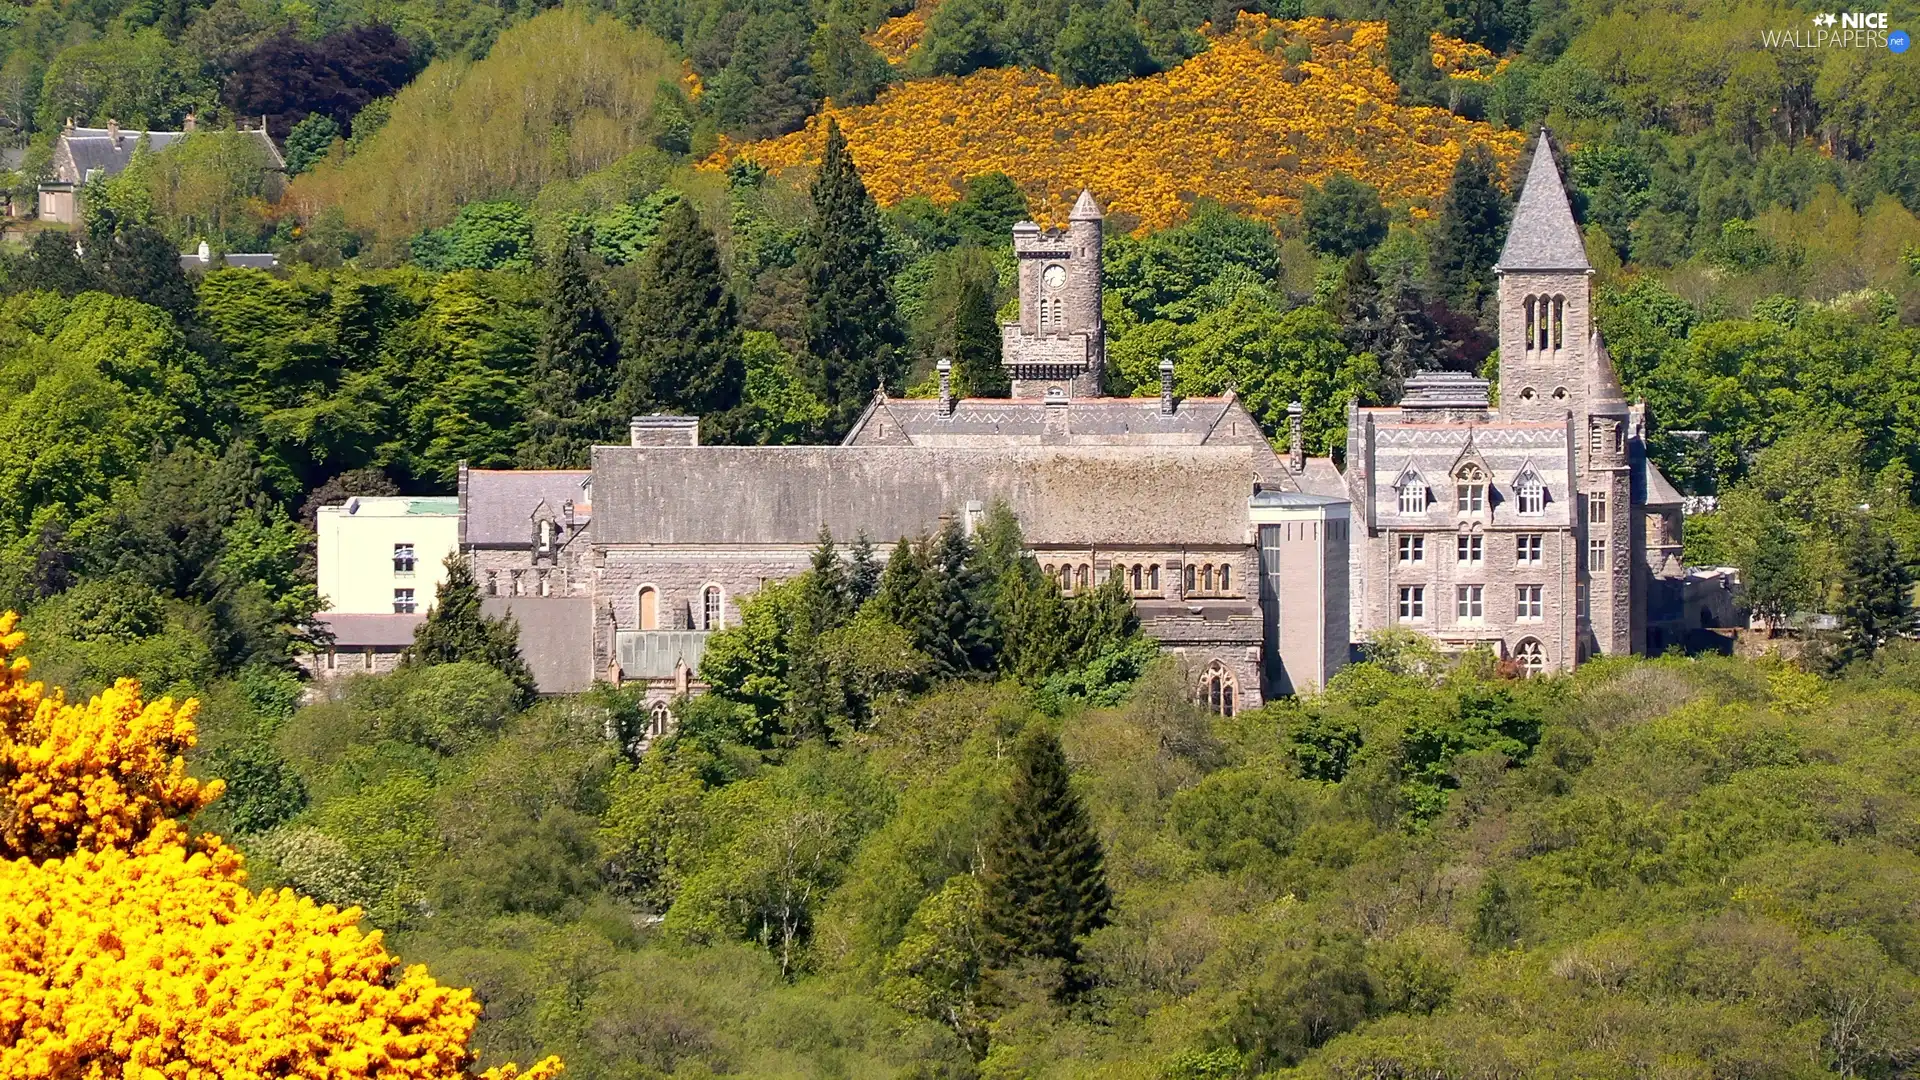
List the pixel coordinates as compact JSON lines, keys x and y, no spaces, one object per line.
{"x":1238,"y":123}
{"x":127,"y":953}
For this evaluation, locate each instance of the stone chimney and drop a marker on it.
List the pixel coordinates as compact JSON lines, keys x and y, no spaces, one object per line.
{"x":664,"y":431}
{"x":461,"y":489}
{"x":1055,"y":411}
{"x":192,"y":122}
{"x":1296,"y":442}
{"x":1166,"y":387}
{"x":946,"y":387}
{"x":113,"y":131}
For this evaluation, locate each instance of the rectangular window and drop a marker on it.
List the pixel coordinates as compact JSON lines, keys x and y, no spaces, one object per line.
{"x":403,"y":601}
{"x":1526,"y":603}
{"x":546,"y":586}
{"x":1468,"y":549}
{"x":1597,"y":508}
{"x":1533,"y":499}
{"x":1470,"y":498}
{"x":403,"y":558}
{"x":1596,"y":556}
{"x":366,"y":660}
{"x":1469,"y":603}
{"x":1413,"y":499}
{"x":1526,"y":549}
{"x":1413,"y":603}
{"x":1580,"y":599}
{"x":1413,"y":550}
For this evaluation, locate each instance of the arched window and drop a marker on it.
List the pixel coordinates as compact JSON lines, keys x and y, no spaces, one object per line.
{"x":711,"y":608}
{"x":1532,"y":658}
{"x":1066,"y":578}
{"x":1470,"y":489}
{"x":1206,"y":578}
{"x":1530,"y":323}
{"x":1226,"y":579}
{"x":1219,"y":691}
{"x":1133,"y":578}
{"x":659,"y":720}
{"x":1559,"y":320}
{"x":1188,"y":583}
{"x":1080,"y":575}
{"x":649,"y":608}
{"x":1153,"y":578}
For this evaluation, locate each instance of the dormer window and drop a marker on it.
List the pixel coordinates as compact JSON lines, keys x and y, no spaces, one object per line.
{"x":1470,"y":490}
{"x":1413,"y":491}
{"x":1532,"y":491}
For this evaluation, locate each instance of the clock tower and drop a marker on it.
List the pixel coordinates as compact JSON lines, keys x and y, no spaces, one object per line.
{"x":1059,"y":346}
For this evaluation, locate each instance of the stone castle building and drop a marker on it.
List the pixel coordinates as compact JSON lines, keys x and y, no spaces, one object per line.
{"x":1537,"y":528}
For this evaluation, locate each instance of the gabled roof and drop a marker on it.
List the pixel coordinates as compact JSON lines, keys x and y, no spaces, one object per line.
{"x":1469,"y":455}
{"x":1525,"y":473}
{"x":1408,"y":476}
{"x":1543,"y":235}
{"x":103,"y":149}
{"x":501,"y":502}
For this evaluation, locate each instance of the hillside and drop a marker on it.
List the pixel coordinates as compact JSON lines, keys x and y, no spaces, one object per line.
{"x":1240,"y":123}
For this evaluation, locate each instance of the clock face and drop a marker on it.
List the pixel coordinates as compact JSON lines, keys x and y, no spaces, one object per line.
{"x":1054,"y":276}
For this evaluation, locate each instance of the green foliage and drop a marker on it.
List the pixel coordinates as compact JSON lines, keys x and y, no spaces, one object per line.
{"x":482,"y":236}
{"x":309,"y":142}
{"x":455,"y":632}
{"x":682,"y":350}
{"x":1343,"y":216}
{"x":1470,"y":228}
{"x":853,"y":340}
{"x":1100,"y":44}
{"x":1043,"y":881}
{"x":575,"y":368}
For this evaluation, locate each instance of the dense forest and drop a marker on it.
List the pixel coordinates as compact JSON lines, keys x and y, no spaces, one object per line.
{"x":510,"y":226}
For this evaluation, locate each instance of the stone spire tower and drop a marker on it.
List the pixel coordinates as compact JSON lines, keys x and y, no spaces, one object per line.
{"x":1545,"y":300}
{"x":1059,"y":346}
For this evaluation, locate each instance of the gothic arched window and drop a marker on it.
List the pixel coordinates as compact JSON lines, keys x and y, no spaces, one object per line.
{"x":649,"y":604}
{"x":1529,"y":304}
{"x":1559,"y":320}
{"x":1219,"y":691}
{"x":659,"y":719}
{"x":1532,"y":658}
{"x":711,"y":608}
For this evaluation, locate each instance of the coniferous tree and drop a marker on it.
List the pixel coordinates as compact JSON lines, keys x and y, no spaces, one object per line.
{"x":976,"y":342}
{"x":960,"y":633}
{"x":1467,"y":237}
{"x":456,"y":631}
{"x":1875,"y":593}
{"x":863,"y":576}
{"x":1035,"y":623}
{"x":902,"y":597}
{"x":1101,"y":619}
{"x":853,"y":336}
{"x":682,"y":350}
{"x":1044,"y":878}
{"x":574,"y":369}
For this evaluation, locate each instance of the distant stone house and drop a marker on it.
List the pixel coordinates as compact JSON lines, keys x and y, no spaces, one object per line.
{"x":81,"y":153}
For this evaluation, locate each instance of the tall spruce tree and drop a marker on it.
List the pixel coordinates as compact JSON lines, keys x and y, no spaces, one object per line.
{"x":960,"y":632}
{"x":854,"y":342}
{"x":682,"y":351}
{"x":1472,"y":224}
{"x":863,"y":575}
{"x":456,"y":631}
{"x":1875,"y":594}
{"x":575,"y":368}
{"x":1043,"y":872}
{"x":976,"y":342}
{"x":815,"y":696}
{"x":903,"y":595}
{"x":1100,"y":619}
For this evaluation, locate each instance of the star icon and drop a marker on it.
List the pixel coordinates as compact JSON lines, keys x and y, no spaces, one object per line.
{"x":1824,"y":19}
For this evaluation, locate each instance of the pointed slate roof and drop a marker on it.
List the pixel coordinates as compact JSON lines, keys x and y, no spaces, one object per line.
{"x":1543,"y":235}
{"x":1603,"y":386}
{"x":1085,"y":209}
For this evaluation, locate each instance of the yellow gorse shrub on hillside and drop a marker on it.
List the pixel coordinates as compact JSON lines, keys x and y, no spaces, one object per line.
{"x":1238,"y":123}
{"x":128,"y":952}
